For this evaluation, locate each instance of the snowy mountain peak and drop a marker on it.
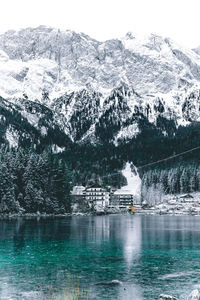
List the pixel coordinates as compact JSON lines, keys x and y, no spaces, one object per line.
{"x":45,"y":58}
{"x":90,"y":85}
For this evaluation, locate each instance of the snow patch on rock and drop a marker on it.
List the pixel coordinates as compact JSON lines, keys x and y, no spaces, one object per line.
{"x":12,"y":137}
{"x":43,"y":131}
{"x":33,"y":119}
{"x":126,"y":133}
{"x":56,"y":149}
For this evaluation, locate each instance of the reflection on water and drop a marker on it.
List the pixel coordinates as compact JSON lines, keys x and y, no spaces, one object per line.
{"x":131,"y":235}
{"x":48,"y":257}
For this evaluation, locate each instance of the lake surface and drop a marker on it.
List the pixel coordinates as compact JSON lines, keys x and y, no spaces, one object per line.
{"x":73,"y":257}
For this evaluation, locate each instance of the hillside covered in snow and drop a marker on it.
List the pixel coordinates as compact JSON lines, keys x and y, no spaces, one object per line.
{"x":95,"y":91}
{"x":103,"y":105}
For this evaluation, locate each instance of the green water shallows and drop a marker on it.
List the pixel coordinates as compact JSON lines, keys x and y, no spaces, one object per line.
{"x":71,"y":258}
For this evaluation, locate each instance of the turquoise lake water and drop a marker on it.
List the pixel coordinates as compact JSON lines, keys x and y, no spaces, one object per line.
{"x":74,"y":257}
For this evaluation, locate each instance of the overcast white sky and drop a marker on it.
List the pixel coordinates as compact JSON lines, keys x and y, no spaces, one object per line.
{"x":105,"y":19}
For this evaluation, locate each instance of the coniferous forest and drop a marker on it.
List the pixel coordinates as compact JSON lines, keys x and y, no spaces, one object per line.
{"x":31,"y":183}
{"x":178,"y":175}
{"x":34,"y":179}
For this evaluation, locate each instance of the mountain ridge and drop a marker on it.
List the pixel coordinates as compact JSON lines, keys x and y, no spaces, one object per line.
{"x":76,"y":60}
{"x":98,"y":91}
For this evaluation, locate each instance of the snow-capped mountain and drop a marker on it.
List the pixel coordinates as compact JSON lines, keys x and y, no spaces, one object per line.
{"x":96,"y":90}
{"x":57,"y":61}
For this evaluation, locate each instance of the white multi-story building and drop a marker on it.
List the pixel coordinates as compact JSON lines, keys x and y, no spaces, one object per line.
{"x":122,"y":199}
{"x":95,"y":195}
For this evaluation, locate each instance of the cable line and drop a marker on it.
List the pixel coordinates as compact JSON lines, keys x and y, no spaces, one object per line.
{"x":156,"y":162}
{"x":168,"y":158}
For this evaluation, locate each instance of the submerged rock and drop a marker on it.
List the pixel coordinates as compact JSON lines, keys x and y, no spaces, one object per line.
{"x":166,"y":297}
{"x":195,"y":295}
{"x":111,"y":283}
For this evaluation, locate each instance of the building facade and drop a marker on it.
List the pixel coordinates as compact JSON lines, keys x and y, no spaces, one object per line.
{"x":121,"y":200}
{"x":96,"y":195}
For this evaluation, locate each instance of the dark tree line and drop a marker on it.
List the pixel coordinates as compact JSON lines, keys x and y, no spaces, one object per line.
{"x":31,"y":182}
{"x":149,"y":145}
{"x":174,"y":180}
{"x":37,"y":180}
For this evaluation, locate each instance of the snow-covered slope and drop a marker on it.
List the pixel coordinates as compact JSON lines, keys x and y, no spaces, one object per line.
{"x":133,"y":181}
{"x":96,"y":89}
{"x":56,"y":61}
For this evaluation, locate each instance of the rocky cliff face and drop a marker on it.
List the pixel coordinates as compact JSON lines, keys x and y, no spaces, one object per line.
{"x":96,"y":90}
